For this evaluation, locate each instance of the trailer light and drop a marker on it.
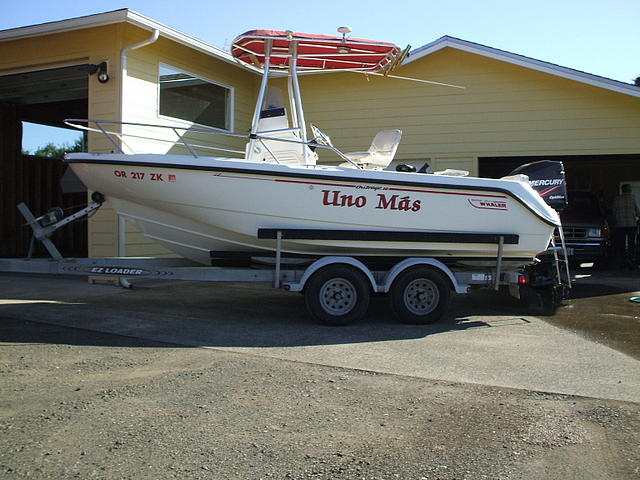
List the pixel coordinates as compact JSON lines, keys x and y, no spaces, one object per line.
{"x":522,"y":280}
{"x":287,"y":287}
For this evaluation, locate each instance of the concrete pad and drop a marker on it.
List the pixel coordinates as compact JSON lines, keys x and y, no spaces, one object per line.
{"x":485,"y":340}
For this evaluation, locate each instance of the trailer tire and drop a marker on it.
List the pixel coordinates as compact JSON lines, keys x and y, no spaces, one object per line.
{"x":337,"y":295}
{"x":420,"y":296}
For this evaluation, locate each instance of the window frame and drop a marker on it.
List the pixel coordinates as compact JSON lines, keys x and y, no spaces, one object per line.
{"x":229,"y":114}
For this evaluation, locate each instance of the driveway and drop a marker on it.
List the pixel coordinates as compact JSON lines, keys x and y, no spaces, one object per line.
{"x":486,"y":339}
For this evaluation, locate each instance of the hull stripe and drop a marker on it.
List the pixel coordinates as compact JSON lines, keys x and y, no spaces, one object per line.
{"x":311,"y":174}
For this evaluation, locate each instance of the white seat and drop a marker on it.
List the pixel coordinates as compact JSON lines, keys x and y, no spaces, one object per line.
{"x":274,"y":151}
{"x":381,"y":152}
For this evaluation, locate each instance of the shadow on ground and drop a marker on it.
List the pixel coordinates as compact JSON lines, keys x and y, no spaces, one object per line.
{"x":226,"y":315}
{"x":250,"y":315}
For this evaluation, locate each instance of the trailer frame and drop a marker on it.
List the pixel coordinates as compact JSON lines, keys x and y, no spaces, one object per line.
{"x":293,"y":274}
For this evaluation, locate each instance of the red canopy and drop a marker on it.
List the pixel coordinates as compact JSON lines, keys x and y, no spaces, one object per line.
{"x":315,"y":52}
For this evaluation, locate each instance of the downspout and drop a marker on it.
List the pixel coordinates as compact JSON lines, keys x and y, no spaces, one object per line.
{"x":122,"y":241}
{"x":142,"y":43}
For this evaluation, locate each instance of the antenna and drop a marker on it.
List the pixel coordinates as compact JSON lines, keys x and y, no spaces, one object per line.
{"x":344,"y":31}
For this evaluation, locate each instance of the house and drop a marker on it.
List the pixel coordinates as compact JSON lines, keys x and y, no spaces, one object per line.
{"x":123,"y":66}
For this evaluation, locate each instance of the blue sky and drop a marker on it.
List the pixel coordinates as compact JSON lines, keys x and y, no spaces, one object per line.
{"x":599,"y":37}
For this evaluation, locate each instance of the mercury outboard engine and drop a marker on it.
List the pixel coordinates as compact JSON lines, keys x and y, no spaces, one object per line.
{"x":547,"y":178}
{"x":547,"y":285}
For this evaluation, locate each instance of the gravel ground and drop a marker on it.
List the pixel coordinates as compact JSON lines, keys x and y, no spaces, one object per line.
{"x":81,"y":404}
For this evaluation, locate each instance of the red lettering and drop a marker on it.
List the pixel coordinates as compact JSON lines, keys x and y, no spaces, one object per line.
{"x":330,"y":201}
{"x":403,"y":204}
{"x":385,"y":203}
{"x":346,"y":201}
{"x":334,"y":199}
{"x":361,"y":201}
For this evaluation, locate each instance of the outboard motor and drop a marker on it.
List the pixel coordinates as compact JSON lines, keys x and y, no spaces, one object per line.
{"x":548,"y":283}
{"x":547,"y":178}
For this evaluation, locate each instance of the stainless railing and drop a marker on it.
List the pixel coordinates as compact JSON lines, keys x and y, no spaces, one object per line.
{"x":101,"y":126}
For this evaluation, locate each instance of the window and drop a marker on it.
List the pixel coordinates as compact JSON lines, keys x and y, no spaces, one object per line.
{"x":193,"y":99}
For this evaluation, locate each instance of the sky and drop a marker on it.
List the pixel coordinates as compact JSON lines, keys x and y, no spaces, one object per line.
{"x":595,"y":36}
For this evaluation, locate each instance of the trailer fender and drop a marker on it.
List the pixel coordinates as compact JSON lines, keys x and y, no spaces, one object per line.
{"x":323,"y":262}
{"x":400,"y":267}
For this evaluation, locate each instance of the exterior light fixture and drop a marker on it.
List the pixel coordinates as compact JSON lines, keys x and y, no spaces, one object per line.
{"x":101,"y":70}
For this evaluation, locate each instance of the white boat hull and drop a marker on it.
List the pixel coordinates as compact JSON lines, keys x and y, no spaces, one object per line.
{"x":198,"y":206}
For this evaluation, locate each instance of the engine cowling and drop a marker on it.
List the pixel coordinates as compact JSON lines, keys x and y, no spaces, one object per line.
{"x":547,"y":177}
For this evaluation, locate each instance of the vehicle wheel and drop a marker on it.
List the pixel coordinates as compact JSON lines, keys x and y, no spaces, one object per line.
{"x":420,"y":296}
{"x":337,"y":295}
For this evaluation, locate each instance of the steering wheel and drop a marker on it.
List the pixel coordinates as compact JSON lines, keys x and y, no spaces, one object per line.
{"x":320,"y":137}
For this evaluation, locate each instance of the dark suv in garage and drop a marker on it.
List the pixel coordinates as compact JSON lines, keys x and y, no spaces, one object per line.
{"x":586,"y":229}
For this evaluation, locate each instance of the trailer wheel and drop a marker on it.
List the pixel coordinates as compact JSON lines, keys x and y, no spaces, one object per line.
{"x":420,"y":296}
{"x":337,"y":295}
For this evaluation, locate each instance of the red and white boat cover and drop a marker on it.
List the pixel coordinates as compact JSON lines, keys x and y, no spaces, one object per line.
{"x":315,"y":52}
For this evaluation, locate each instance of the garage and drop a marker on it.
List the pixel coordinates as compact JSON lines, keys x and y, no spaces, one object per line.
{"x":584,"y":172}
{"x":593,"y":182}
{"x":45,"y":97}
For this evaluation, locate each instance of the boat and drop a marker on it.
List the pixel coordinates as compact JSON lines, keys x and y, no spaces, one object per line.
{"x":278,"y":195}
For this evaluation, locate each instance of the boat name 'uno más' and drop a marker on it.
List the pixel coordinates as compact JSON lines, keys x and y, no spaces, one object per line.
{"x":336,"y":198}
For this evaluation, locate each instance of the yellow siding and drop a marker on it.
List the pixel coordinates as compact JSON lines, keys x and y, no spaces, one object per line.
{"x":140,"y":105}
{"x":141,"y":92}
{"x":505,"y":110}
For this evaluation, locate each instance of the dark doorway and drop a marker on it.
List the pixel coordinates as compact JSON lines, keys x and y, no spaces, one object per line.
{"x":43,"y":97}
{"x":595,"y":173}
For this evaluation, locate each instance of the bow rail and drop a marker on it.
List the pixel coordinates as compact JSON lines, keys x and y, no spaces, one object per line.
{"x":102,"y":126}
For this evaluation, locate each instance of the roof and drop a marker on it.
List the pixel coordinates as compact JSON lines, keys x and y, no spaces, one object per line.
{"x":134,"y":18}
{"x":110,"y":18}
{"x":527,"y":62}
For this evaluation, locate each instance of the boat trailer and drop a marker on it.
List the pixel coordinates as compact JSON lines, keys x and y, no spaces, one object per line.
{"x":337,"y":288}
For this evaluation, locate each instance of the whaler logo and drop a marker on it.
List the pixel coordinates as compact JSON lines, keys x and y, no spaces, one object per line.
{"x":488,"y":204}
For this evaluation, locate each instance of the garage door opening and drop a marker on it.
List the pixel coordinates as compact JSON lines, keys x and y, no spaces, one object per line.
{"x":593,"y":182}
{"x":44,"y":98}
{"x":601,"y":174}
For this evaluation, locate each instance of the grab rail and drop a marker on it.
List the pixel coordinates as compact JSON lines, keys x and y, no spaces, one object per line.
{"x":84,"y":124}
